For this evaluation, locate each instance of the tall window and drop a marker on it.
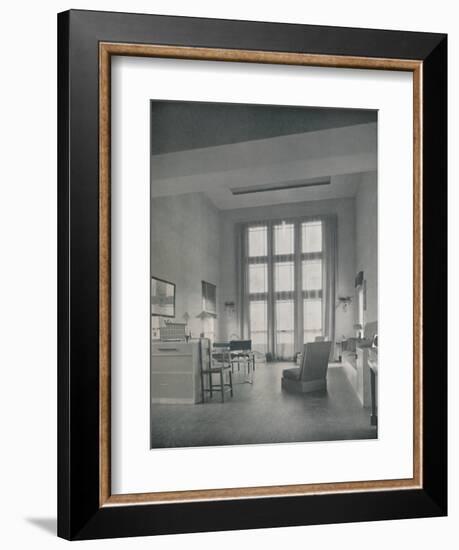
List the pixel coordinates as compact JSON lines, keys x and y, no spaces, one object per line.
{"x":311,"y":266}
{"x":284,"y":289}
{"x":284,"y":272}
{"x":257,"y":265}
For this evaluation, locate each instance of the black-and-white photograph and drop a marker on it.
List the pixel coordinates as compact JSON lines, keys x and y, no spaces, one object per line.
{"x":264,"y":274}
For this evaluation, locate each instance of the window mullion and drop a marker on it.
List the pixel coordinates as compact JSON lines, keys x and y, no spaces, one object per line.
{"x":270,"y":305}
{"x":298,"y":289}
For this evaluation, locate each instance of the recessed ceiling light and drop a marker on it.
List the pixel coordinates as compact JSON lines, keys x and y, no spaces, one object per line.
{"x":295,"y":184}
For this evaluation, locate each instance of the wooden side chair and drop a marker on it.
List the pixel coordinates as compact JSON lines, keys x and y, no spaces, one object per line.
{"x":215,"y":363}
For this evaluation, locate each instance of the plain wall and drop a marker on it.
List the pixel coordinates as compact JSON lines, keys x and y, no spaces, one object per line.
{"x":366,"y":228}
{"x":201,"y":245}
{"x":185,"y":250}
{"x":344,"y":210}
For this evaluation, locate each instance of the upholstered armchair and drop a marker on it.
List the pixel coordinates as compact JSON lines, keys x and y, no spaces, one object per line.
{"x":312,"y":374}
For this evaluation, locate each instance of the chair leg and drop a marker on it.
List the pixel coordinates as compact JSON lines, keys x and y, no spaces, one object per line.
{"x":222,"y":384}
{"x":203,"y":393}
{"x":210,"y":384}
{"x":231,"y":382}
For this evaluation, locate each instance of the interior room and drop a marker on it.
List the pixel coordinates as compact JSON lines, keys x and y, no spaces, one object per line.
{"x":264,"y":290}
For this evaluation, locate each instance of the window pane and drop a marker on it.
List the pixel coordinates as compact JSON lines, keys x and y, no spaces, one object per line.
{"x":259,"y":326}
{"x":311,"y":236}
{"x":258,"y":278}
{"x":258,"y":241}
{"x":285,"y":326}
{"x":283,"y":238}
{"x":284,"y":315}
{"x":258,"y":311}
{"x":259,"y":341}
{"x":312,"y":274}
{"x":284,"y":276}
{"x":312,"y":319}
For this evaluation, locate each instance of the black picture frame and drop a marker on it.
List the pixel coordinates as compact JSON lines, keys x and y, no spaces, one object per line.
{"x":209,"y":298}
{"x":80,"y":513}
{"x":162,"y":314}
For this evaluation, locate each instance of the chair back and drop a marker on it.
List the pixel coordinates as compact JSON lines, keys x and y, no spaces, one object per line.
{"x":221,"y":346}
{"x":240,"y":345}
{"x":221,"y":353}
{"x":315,"y":361}
{"x":204,"y":351}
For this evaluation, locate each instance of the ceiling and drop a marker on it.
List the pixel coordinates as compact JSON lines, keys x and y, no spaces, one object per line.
{"x":183,"y":126}
{"x":339,"y":154}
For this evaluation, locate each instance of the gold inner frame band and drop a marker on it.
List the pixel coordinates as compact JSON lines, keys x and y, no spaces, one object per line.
{"x":106,"y":51}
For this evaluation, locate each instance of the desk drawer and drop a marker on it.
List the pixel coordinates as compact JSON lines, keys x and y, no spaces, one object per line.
{"x":172,"y":347}
{"x":172,"y":386}
{"x":171,"y":362}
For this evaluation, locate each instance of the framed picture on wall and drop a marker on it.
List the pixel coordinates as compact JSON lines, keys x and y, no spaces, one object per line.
{"x":209,"y":298}
{"x":162,"y":298}
{"x":276,"y":161}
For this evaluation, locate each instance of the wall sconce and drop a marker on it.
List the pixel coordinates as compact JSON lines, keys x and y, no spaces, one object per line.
{"x":230,"y":308}
{"x":344,"y":301}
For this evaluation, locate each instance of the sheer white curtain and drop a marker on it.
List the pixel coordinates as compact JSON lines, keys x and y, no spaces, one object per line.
{"x":330,"y":278}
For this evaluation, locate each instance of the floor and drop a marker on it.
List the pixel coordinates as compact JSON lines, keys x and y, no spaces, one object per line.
{"x":264,"y":413}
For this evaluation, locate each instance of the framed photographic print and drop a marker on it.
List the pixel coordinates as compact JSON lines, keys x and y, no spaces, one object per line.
{"x":301,"y":170}
{"x":162,"y":298}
